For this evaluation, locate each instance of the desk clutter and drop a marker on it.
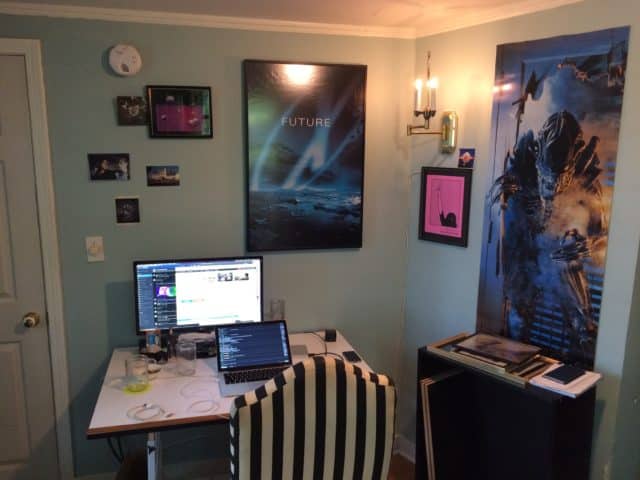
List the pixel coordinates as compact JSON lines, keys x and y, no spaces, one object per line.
{"x":515,"y":362}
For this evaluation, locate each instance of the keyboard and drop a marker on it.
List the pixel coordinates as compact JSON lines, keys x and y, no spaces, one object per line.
{"x":252,"y":375}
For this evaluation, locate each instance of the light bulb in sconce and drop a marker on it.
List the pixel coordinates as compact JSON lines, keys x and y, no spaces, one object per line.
{"x":432,"y":87}
{"x":417,"y":98}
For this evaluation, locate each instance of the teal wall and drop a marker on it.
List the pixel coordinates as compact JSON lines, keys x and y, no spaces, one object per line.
{"x":361,"y":291}
{"x":442,"y":281}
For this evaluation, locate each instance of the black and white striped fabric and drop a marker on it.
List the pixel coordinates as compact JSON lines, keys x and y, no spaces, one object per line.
{"x":319,"y":419}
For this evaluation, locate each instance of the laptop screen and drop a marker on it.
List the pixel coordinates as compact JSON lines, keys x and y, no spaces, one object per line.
{"x":252,"y":345}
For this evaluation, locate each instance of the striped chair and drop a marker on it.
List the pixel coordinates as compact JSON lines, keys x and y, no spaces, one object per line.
{"x":320,"y":419}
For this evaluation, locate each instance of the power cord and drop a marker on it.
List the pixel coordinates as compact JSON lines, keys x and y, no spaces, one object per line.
{"x":118,"y":456}
{"x":326,"y":352}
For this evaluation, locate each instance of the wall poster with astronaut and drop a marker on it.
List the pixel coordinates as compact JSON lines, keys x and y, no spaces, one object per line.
{"x":555,"y":124}
{"x":305,"y":155}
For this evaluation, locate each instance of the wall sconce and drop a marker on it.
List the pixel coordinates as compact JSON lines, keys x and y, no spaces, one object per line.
{"x":424,"y":105}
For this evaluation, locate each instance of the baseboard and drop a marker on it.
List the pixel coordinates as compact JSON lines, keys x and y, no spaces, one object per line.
{"x":405,"y":447}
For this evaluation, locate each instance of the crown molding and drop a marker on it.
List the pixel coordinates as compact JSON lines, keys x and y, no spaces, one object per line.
{"x":516,"y":9}
{"x":207,"y":21}
{"x":522,"y":7}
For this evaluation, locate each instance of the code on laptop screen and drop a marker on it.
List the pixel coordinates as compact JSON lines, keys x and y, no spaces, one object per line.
{"x":252,"y":345}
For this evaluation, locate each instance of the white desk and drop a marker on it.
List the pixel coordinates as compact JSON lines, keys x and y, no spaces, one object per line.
{"x":186,"y":400}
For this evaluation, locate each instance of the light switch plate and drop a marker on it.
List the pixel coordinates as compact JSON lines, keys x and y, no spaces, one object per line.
{"x":95,"y":249}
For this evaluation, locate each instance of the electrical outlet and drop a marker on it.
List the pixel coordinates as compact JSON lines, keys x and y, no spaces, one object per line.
{"x":95,"y":249}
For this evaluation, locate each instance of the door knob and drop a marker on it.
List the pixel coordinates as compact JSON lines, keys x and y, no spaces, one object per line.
{"x":31,"y":319}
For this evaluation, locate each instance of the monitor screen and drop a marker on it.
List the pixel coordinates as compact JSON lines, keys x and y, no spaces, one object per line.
{"x":196,"y":294}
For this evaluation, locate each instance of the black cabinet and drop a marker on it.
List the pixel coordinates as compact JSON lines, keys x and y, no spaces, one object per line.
{"x":485,"y":428}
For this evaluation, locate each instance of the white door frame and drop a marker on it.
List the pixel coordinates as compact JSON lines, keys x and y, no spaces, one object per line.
{"x":30,"y":49}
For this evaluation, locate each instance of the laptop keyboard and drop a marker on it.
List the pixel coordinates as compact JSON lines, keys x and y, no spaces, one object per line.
{"x":252,"y":375}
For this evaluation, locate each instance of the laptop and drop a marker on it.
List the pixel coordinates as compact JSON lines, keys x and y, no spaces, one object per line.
{"x":249,"y":354}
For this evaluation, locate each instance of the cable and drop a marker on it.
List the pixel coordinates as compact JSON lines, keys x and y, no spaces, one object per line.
{"x":324,"y":343}
{"x":203,"y":406}
{"x":326,"y":351}
{"x":198,"y":388}
{"x":120,"y":449}
{"x":113,"y":451}
{"x":145,"y":412}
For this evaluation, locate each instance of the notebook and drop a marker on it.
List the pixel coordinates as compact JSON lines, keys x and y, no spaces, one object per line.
{"x":249,"y":354}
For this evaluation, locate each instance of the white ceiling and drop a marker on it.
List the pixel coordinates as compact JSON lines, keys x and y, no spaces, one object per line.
{"x":396,"y":18}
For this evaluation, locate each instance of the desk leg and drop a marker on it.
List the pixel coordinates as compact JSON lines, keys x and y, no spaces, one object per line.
{"x":154,"y":456}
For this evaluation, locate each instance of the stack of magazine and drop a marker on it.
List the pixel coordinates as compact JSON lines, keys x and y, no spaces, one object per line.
{"x":504,"y":354}
{"x":507,"y":359}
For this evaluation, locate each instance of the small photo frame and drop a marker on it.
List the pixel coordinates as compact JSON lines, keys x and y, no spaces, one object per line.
{"x":467,"y":157}
{"x":179,"y":112}
{"x":163,"y":176}
{"x":445,"y":197}
{"x":109,"y":166}
{"x":132,"y":111}
{"x":127,"y":210}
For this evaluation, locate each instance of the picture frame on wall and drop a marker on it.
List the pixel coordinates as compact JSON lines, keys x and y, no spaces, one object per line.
{"x":445,"y":197}
{"x":305,"y":125}
{"x":179,"y":112}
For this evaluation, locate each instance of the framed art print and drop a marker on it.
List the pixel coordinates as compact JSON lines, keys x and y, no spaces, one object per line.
{"x":445,"y":196}
{"x":179,"y":112}
{"x":305,"y":155}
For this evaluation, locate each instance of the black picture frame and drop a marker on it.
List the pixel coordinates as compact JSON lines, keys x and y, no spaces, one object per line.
{"x":179,"y":111}
{"x":445,"y":198}
{"x":305,"y":140}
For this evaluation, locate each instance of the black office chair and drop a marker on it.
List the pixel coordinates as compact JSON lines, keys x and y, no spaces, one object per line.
{"x":321,"y":418}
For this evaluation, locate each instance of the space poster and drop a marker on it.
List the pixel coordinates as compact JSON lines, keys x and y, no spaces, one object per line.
{"x":554,"y":140}
{"x":305,"y":155}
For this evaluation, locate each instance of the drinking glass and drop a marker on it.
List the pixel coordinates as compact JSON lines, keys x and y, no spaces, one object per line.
{"x":137,"y":372}
{"x":186,"y":356}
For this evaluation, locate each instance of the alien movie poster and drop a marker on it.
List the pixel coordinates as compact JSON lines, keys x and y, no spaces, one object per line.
{"x":305,"y":149}
{"x":554,"y":141}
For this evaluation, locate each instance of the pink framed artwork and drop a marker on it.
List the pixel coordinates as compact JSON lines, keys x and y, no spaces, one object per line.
{"x":179,"y":112}
{"x":445,"y":196}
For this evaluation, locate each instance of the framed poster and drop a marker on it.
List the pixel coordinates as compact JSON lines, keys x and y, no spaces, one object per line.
{"x":445,"y":196}
{"x":179,"y":112}
{"x":305,"y":155}
{"x":556,"y":119}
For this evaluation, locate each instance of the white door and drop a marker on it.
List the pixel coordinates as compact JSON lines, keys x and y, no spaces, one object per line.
{"x":28,"y":448}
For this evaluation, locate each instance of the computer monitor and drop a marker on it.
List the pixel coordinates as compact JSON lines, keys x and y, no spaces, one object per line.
{"x":197,"y":294}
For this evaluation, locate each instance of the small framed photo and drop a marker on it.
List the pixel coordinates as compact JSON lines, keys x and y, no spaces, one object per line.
{"x":445,"y":198}
{"x":109,"y":166}
{"x":127,"y":210}
{"x":179,"y":112}
{"x":132,"y":111}
{"x":163,"y":176}
{"x":467,"y":157}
